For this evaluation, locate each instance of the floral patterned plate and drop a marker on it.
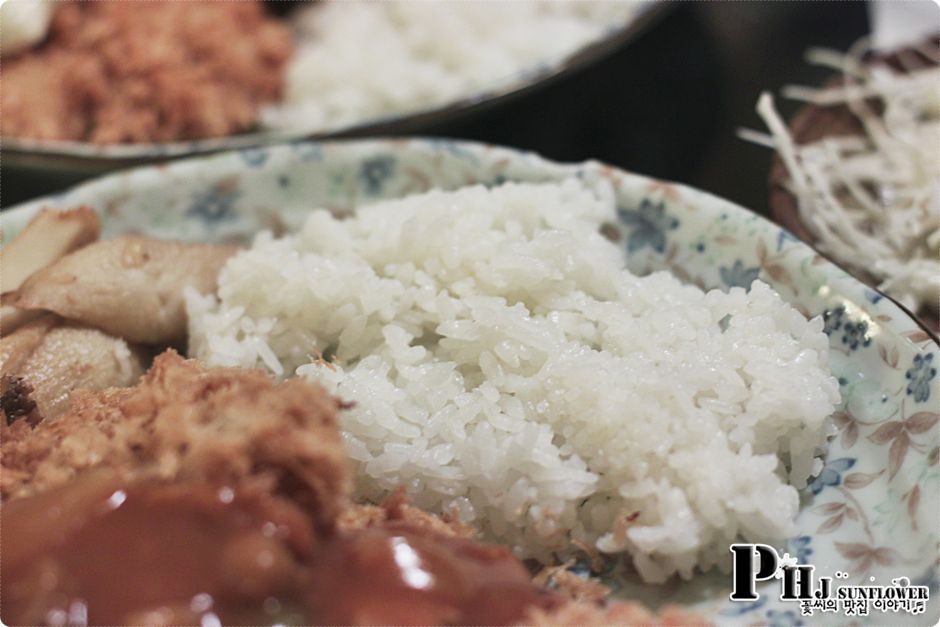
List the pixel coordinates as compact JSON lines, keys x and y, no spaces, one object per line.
{"x":873,"y":510}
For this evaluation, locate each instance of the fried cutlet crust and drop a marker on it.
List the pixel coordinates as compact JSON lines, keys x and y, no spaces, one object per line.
{"x":185,"y":422}
{"x":113,"y":71}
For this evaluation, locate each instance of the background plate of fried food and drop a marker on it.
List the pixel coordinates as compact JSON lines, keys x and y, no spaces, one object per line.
{"x":122,"y":86}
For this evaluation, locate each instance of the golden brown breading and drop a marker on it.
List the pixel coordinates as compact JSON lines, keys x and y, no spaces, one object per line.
{"x":185,"y":422}
{"x":114,"y":71}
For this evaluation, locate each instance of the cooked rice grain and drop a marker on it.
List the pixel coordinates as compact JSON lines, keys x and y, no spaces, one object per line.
{"x":506,"y":367}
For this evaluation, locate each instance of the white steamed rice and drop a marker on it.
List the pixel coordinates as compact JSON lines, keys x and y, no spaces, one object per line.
{"x":506,"y":367}
{"x":362,"y":61}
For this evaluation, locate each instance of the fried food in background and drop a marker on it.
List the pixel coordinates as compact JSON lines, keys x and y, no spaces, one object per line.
{"x":114,"y":72}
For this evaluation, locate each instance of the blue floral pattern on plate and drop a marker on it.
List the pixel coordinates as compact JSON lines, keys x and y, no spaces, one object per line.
{"x":215,"y":204}
{"x":920,"y":374}
{"x":784,"y":618}
{"x":650,"y":224}
{"x":831,"y":474}
{"x":855,"y":335}
{"x":254,"y":157}
{"x":833,"y":319}
{"x":738,"y":276}
{"x":374,"y":173}
{"x":800,"y":548}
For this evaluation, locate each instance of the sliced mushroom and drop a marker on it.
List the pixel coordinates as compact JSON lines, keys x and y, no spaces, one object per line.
{"x":66,"y":358}
{"x":16,"y":347}
{"x":129,"y":286}
{"x":45,"y":239}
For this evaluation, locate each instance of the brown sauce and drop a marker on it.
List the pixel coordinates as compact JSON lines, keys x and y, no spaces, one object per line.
{"x":399,"y":575}
{"x":95,"y":552}
{"x":99,"y":552}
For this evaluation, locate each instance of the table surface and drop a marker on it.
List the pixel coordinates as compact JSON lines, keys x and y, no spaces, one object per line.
{"x":666,"y":104}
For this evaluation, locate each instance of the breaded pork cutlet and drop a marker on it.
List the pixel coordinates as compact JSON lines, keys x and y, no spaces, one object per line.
{"x":184,"y":422}
{"x":112,"y":71}
{"x":219,"y":496}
